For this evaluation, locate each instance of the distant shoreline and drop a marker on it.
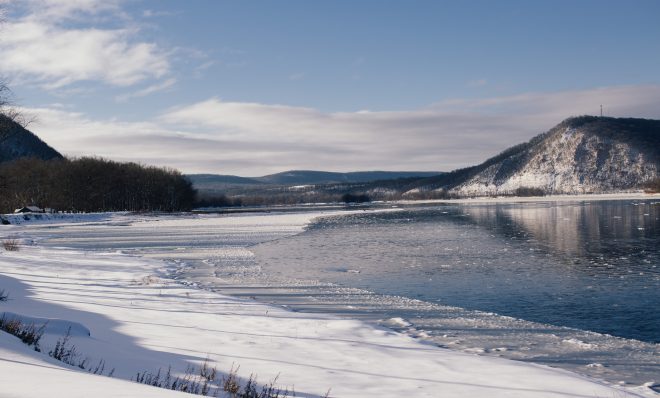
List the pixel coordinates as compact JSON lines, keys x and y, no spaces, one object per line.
{"x":377,"y":204}
{"x":530,"y":199}
{"x":308,"y":207}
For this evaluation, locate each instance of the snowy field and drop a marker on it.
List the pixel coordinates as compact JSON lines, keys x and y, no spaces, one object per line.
{"x":122,"y":309}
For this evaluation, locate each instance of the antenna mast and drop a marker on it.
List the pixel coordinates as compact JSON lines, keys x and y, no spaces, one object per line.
{"x":601,"y":111}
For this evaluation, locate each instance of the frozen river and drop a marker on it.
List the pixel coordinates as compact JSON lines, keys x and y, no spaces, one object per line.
{"x":570,"y":284}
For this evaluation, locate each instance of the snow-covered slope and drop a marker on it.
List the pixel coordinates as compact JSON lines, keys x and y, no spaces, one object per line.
{"x":26,"y":373}
{"x":140,"y":321}
{"x":580,"y":155}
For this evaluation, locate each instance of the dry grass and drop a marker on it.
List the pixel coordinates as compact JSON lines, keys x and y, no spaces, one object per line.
{"x":205,"y":381}
{"x":10,"y":245}
{"x":29,"y":334}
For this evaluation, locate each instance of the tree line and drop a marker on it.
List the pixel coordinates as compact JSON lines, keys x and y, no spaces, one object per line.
{"x":92,"y":184}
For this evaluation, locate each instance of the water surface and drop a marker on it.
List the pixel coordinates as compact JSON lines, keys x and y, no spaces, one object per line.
{"x":591,"y":266}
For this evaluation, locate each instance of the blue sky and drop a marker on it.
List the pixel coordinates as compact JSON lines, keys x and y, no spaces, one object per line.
{"x":253,"y":87}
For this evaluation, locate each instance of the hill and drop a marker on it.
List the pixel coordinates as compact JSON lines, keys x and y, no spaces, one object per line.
{"x":217,"y":182}
{"x":33,"y":173}
{"x":220,"y":181}
{"x":580,"y":155}
{"x":17,"y":142}
{"x":325,"y":177}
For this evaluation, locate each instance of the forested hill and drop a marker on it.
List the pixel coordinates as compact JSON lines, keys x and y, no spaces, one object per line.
{"x":92,"y":184}
{"x":33,"y":173}
{"x":17,"y":142}
{"x":580,"y":155}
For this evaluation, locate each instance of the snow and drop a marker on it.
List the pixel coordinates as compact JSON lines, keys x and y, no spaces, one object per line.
{"x":26,"y":373}
{"x":126,"y":311}
{"x":55,"y":218}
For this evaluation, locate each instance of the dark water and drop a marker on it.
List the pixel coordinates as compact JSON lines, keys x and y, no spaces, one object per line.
{"x":591,"y":266}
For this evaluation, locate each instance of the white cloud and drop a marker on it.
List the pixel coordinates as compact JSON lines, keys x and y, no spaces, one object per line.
{"x":256,"y":139}
{"x":41,"y":47}
{"x":60,"y":10}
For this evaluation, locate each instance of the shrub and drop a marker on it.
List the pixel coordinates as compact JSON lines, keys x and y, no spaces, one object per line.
{"x":10,"y":245}
{"x":29,"y":334}
{"x":204,"y":381}
{"x":67,"y":353}
{"x":529,"y":191}
{"x":355,"y":198}
{"x":64,"y":352}
{"x":652,"y":186}
{"x":3,"y":296}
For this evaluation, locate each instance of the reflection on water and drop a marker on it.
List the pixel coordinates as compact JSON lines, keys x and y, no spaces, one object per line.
{"x":593,"y":231}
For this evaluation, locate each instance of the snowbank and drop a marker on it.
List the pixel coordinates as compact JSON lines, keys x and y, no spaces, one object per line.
{"x":26,"y":373}
{"x":55,"y":218}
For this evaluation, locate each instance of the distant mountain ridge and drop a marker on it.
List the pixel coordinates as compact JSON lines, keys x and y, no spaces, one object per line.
{"x":302,"y":177}
{"x":17,"y":142}
{"x":585,"y":154}
{"x":202,"y":181}
{"x":327,"y":177}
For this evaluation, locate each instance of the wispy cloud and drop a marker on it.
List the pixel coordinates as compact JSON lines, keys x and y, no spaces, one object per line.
{"x":40,"y":46}
{"x":254,"y":139}
{"x":157,"y":13}
{"x":154,"y":88}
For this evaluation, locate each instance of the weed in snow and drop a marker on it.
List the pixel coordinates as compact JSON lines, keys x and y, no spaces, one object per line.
{"x":29,"y":334}
{"x":66,"y":352}
{"x":204,"y":381}
{"x":10,"y":245}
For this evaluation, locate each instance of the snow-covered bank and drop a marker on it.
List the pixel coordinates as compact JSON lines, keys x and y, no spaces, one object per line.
{"x":55,"y":218}
{"x":26,"y":373}
{"x":140,"y":321}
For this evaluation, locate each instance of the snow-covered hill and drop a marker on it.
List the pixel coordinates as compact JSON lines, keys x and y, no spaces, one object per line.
{"x":580,"y":155}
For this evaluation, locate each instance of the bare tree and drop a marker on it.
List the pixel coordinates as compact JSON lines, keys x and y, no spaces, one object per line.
{"x":8,"y":111}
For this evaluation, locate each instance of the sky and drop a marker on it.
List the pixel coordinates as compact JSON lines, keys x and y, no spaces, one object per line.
{"x":257,"y":87}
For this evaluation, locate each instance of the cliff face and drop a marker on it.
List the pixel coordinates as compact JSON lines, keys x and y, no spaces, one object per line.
{"x":17,"y":142}
{"x":583,"y":154}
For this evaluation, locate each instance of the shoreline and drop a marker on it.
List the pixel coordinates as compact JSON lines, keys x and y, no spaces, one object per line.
{"x":534,"y":199}
{"x":54,"y":218}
